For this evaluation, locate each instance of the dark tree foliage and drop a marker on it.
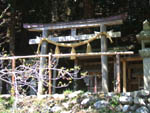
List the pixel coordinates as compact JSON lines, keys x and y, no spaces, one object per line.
{"x":52,"y":11}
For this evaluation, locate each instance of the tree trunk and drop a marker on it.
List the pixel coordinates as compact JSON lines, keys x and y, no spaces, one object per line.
{"x":54,"y":11}
{"x":11,"y":30}
{"x":88,"y":8}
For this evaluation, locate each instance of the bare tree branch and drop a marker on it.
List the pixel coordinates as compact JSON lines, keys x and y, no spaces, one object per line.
{"x":3,"y":22}
{"x":5,"y":10}
{"x":27,"y":74}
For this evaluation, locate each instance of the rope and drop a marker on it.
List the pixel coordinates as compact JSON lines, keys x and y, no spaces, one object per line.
{"x":73,"y":45}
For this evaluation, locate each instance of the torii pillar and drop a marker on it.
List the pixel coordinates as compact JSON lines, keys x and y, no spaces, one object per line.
{"x":42,"y":62}
{"x":104,"y":60}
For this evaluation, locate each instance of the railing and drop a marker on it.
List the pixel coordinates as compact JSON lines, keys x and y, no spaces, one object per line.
{"x":14,"y":70}
{"x":49,"y":67}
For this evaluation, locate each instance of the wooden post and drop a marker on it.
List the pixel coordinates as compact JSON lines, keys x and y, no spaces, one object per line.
{"x":1,"y":86}
{"x":115,"y":75}
{"x":50,"y":73}
{"x":54,"y":81}
{"x":91,"y":83}
{"x":129,"y":79}
{"x":73,"y":33}
{"x":13,"y":77}
{"x":95,"y":83}
{"x":124,"y":76}
{"x":104,"y":61}
{"x":53,"y":74}
{"x":42,"y":62}
{"x":118,"y":73}
{"x":75,"y":75}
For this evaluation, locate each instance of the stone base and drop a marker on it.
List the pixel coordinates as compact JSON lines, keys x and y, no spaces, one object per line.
{"x":146,"y":68}
{"x":145,"y":52}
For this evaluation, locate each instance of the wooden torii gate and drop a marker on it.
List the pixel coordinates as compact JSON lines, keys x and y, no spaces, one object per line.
{"x":73,"y":26}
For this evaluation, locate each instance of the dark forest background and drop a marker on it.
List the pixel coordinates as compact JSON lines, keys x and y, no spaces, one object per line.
{"x":14,"y":13}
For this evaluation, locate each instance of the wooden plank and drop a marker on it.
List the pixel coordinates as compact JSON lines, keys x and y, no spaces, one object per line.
{"x":104,"y":61}
{"x":114,"y":20}
{"x":124,"y":76}
{"x":72,"y":37}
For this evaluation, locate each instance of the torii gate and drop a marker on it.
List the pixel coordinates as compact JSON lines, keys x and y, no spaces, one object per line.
{"x":102,"y":23}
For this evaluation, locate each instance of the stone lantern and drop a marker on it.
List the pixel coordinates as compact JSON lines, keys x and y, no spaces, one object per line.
{"x":144,"y":38}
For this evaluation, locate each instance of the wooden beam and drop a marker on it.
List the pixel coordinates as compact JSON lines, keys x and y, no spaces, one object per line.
{"x":104,"y":61}
{"x":135,"y":58}
{"x":67,"y":55}
{"x":72,"y":37}
{"x":93,"y":54}
{"x":124,"y":76}
{"x":132,"y":66}
{"x":114,"y":20}
{"x":92,"y":63}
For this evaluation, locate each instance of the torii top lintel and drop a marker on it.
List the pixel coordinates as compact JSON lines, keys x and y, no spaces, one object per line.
{"x":113,"y":20}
